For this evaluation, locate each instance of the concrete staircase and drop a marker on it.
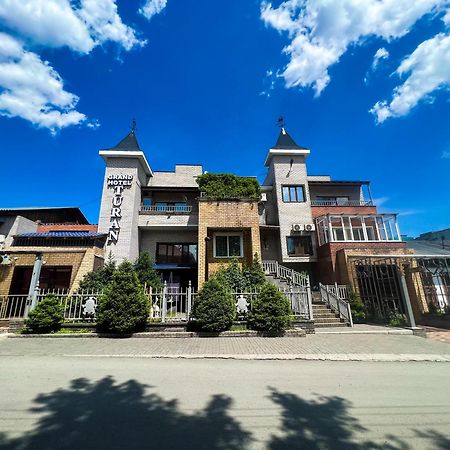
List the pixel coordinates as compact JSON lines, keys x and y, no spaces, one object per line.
{"x":323,"y":315}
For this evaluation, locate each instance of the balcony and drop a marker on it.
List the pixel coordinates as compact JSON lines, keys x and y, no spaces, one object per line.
{"x":166,"y":209}
{"x":161,"y":216}
{"x":341,"y":203}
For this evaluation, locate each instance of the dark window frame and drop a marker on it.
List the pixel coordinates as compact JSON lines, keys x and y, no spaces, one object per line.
{"x":184,"y":260}
{"x":301,"y":237}
{"x":295,"y":188}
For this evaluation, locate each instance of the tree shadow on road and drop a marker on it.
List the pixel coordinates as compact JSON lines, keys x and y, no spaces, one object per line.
{"x":106,"y":415}
{"x":326,"y":423}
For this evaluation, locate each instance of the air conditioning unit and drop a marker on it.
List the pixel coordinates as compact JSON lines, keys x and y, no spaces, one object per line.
{"x":5,"y":260}
{"x":297,"y":227}
{"x":310,"y":227}
{"x":264,"y":197}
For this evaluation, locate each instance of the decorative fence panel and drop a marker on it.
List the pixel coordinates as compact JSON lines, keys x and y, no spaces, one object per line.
{"x":168,"y":304}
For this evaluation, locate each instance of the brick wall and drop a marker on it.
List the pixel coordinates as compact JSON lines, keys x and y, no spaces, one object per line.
{"x":332,"y":265}
{"x":81,"y":261}
{"x":226,"y":216}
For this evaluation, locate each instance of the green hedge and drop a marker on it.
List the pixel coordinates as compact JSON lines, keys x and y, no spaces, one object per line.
{"x":228,"y":186}
{"x":214,"y":308}
{"x":47,"y":317}
{"x":123,"y":308}
{"x":270,"y":311}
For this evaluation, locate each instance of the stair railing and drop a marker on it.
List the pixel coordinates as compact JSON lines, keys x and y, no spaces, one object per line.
{"x":338,"y":305}
{"x":292,"y":277}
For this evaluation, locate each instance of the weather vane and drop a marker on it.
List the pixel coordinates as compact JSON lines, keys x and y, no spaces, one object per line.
{"x":133,"y":125}
{"x":280,"y":122}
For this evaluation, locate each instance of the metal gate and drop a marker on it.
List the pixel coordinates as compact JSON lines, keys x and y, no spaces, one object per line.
{"x":379,"y":285}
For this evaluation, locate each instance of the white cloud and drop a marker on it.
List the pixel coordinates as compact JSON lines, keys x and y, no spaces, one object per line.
{"x":380,"y":201}
{"x":445,"y":155}
{"x":29,"y":87}
{"x":152,"y":7}
{"x":321,"y":31}
{"x":57,"y":23}
{"x":380,"y":54}
{"x":428,"y":69}
{"x":33,"y":90}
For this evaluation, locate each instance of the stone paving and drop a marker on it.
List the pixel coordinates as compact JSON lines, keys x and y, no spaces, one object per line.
{"x":335,"y":347}
{"x":438,"y":334}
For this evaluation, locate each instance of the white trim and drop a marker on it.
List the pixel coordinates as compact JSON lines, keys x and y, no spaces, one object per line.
{"x":240,"y":234}
{"x":285,"y":152}
{"x":105,"y":154}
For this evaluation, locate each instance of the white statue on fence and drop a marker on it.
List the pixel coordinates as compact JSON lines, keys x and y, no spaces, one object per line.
{"x":242,"y":304}
{"x":89,"y":308}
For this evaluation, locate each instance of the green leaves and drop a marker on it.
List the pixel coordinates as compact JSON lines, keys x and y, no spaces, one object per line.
{"x":47,"y":317}
{"x":228,"y":186}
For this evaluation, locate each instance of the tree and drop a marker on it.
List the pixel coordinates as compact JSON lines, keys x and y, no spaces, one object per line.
{"x":232,"y":275}
{"x":254,"y":274}
{"x":146,"y":274}
{"x":47,"y":317}
{"x":214,"y":308}
{"x":97,"y":280}
{"x":123,"y":307}
{"x":270,"y":311}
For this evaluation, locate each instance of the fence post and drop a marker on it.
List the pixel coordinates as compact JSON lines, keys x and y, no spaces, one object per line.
{"x":349,"y":312}
{"x":164,"y":302}
{"x":309,"y":297}
{"x":328,"y":295}
{"x":189,"y":300}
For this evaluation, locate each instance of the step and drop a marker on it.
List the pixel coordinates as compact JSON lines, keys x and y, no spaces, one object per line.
{"x":330,"y":325}
{"x":325,"y":316}
{"x":327,"y":320}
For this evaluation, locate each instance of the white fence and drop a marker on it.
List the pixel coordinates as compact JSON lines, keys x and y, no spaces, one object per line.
{"x":331,"y":295}
{"x":167,"y":304}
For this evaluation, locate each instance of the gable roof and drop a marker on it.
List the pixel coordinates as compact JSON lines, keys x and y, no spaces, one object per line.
{"x":285,"y":142}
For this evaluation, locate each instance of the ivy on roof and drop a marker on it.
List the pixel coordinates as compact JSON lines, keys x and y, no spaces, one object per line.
{"x":226,"y":186}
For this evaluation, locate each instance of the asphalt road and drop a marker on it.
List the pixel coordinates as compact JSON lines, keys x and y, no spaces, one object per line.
{"x":68,"y":402}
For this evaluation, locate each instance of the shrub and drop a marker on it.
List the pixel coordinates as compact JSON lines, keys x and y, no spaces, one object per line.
{"x":123,"y":307}
{"x":397,"y":320}
{"x":357,"y":308}
{"x":270,"y":311}
{"x":147,"y":275}
{"x":254,"y":274}
{"x":214,"y":308}
{"x":47,"y":317}
{"x":97,"y":280}
{"x":232,"y":275}
{"x":226,"y":185}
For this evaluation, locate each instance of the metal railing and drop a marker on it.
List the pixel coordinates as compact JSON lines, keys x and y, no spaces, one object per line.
{"x":167,"y":209}
{"x":168,"y":304}
{"x":13,"y":306}
{"x":291,"y":276}
{"x":341,"y":203}
{"x":339,"y":305}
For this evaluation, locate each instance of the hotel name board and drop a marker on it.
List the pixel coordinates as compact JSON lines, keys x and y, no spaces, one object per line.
{"x":117,"y":183}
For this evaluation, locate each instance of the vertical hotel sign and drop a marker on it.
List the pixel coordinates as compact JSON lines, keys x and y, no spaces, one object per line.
{"x":117,"y":183}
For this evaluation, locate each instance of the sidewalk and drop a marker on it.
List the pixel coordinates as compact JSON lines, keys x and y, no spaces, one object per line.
{"x":331,"y":347}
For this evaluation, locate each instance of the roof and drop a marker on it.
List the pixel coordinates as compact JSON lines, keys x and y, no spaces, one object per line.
{"x":71,"y":234}
{"x":129,"y":143}
{"x":48,"y":214}
{"x":428,"y":248}
{"x":285,"y":142}
{"x":339,"y":182}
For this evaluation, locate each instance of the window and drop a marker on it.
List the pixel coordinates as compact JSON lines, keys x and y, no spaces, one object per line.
{"x":176,"y":254}
{"x":293,"y":194}
{"x":147,"y":201}
{"x":228,"y":245}
{"x":299,"y":246}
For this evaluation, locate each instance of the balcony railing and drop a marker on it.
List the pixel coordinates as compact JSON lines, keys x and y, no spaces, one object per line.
{"x":341,"y":203}
{"x":155,"y":209}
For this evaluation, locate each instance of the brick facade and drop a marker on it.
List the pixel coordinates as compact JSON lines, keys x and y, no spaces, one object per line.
{"x":318,"y":211}
{"x":226,"y":216}
{"x":48,"y":227}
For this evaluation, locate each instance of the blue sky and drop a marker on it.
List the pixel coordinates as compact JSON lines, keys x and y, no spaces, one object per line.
{"x":206,"y":81}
